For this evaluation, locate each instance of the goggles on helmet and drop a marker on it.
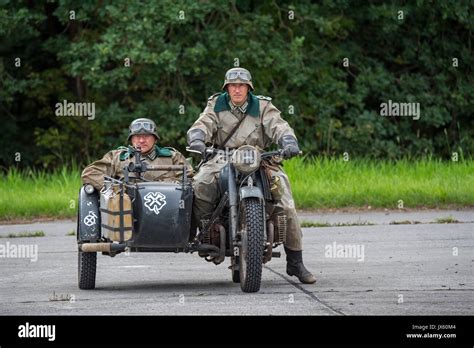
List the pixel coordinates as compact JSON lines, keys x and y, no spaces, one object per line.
{"x":137,"y":126}
{"x":238,"y":75}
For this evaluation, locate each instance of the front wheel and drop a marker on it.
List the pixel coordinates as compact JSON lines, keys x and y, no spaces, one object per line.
{"x":87,"y":265}
{"x":251,"y":244}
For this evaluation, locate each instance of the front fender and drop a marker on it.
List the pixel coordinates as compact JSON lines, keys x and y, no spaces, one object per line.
{"x":254,"y":191}
{"x":88,"y":217}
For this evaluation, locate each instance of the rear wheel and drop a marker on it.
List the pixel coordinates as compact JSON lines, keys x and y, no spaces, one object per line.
{"x":87,"y":265}
{"x":251,"y":244}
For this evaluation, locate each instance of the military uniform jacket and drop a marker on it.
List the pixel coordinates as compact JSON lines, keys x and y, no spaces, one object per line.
{"x":114,"y":161}
{"x":262,"y":126}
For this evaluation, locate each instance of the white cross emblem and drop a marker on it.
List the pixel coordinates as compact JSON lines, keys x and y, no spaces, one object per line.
{"x":89,"y":220}
{"x":154,"y":201}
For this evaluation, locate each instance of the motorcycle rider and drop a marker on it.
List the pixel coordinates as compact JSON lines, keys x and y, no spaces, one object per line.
{"x":143,"y":134}
{"x":231,"y":119}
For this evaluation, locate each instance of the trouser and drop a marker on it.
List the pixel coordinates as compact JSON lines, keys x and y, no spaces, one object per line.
{"x":207,"y":195}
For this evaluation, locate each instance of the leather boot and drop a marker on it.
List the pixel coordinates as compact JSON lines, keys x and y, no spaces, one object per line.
{"x":295,"y":267}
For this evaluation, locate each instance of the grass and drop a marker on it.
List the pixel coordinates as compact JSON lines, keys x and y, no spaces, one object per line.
{"x":316,"y":183}
{"x":72,"y":233}
{"x":404,"y":222}
{"x":25,"y":234}
{"x":334,"y":183}
{"x":447,"y":220}
{"x":32,"y":193}
{"x":304,"y":224}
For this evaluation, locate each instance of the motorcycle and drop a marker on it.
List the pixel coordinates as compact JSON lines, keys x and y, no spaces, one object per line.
{"x":136,"y":215}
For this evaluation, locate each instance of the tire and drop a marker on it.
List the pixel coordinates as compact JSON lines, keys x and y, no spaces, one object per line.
{"x":252,"y":244}
{"x":87,"y":266}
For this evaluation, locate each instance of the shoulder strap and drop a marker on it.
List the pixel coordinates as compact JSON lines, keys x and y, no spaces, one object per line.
{"x":261,"y":122}
{"x":222,"y":146}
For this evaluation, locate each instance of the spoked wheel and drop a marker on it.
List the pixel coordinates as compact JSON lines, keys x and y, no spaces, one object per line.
{"x":251,"y":244}
{"x":87,"y":265}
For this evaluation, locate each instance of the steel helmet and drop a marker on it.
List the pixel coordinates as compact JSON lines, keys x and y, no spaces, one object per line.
{"x":238,"y":75}
{"x":143,"y":126}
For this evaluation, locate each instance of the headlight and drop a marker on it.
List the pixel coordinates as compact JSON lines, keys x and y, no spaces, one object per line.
{"x":246,"y":159}
{"x":89,"y":189}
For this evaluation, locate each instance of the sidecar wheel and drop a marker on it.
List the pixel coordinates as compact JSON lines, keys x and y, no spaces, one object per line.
{"x":252,"y":244}
{"x":87,"y":265}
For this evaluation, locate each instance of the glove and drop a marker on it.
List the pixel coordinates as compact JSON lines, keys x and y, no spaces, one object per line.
{"x":289,"y":145}
{"x":196,"y":140}
{"x":198,"y":145}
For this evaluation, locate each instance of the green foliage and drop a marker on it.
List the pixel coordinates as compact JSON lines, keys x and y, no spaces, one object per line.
{"x":179,"y":51}
{"x":316,"y":183}
{"x":24,"y":235}
{"x":37,"y":193}
{"x":324,"y":182}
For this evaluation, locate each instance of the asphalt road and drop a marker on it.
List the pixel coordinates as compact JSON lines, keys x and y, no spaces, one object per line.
{"x":412,"y":269}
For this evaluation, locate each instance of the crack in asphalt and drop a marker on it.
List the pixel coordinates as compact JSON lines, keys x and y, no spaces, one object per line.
{"x":396,"y":290}
{"x":309,"y":293}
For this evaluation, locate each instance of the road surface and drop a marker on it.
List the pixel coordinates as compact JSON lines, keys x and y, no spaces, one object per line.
{"x":386,"y":269}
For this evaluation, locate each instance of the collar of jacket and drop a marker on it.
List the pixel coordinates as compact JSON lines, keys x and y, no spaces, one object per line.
{"x":222,"y":104}
{"x":242,"y":108}
{"x":157,"y":151}
{"x":152,"y":154}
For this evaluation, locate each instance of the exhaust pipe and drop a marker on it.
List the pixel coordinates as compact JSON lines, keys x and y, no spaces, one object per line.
{"x":212,"y":250}
{"x":102,"y":247}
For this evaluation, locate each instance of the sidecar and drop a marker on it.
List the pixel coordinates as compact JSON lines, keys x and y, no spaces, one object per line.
{"x":138,"y":217}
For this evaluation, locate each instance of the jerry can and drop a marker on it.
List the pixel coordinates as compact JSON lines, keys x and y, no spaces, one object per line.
{"x":116,"y":213}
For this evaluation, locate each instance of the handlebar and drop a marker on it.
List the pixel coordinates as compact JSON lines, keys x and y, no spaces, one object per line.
{"x":271,"y":153}
{"x":143,"y":167}
{"x":175,"y":168}
{"x":212,"y":150}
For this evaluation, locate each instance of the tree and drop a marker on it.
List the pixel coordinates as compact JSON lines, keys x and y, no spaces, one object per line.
{"x":328,"y":67}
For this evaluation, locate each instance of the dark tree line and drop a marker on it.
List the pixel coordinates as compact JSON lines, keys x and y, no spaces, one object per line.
{"x":328,"y":65}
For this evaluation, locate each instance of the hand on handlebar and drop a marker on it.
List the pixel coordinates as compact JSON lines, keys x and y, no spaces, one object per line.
{"x":290,"y":151}
{"x":289,"y":146}
{"x":198,"y":145}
